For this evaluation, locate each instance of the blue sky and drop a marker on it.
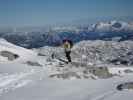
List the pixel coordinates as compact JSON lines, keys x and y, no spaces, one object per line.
{"x":43,"y":12}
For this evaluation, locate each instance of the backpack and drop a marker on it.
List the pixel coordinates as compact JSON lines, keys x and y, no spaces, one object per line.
{"x":69,"y":41}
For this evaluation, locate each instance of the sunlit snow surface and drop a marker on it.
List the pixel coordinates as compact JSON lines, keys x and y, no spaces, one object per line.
{"x":20,"y":81}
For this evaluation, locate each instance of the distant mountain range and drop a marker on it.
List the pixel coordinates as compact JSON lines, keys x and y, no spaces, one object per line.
{"x":113,"y":26}
{"x":113,"y":30}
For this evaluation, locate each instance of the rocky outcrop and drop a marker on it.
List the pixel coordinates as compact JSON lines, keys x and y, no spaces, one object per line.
{"x":11,"y":56}
{"x":100,"y":72}
{"x":31,"y":63}
{"x":127,"y":86}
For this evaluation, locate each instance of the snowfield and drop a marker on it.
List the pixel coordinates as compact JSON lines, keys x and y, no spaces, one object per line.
{"x":28,"y":76}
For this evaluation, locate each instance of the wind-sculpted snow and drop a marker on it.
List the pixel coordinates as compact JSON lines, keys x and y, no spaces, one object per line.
{"x":107,"y":52}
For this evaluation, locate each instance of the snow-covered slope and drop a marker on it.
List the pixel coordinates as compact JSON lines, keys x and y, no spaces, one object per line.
{"x":54,"y":80}
{"x":7,"y":50}
{"x":13,"y":66}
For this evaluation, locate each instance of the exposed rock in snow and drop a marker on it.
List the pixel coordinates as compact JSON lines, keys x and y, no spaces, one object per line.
{"x":33,"y":63}
{"x":101,"y":72}
{"x":125,"y":86}
{"x":11,"y":56}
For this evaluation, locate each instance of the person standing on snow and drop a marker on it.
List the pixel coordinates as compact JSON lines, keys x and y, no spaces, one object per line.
{"x":67,"y":45}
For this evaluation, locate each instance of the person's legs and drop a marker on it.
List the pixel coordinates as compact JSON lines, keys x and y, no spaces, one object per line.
{"x":68,"y":56}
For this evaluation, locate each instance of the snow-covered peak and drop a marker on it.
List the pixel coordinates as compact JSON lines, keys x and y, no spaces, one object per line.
{"x":102,"y":27}
{"x":113,"y":26}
